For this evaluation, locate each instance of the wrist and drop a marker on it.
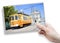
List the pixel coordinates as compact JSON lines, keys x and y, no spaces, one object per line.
{"x":57,"y":39}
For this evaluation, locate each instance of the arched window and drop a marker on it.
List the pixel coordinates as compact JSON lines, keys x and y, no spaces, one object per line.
{"x":16,"y":17}
{"x":12,"y":17}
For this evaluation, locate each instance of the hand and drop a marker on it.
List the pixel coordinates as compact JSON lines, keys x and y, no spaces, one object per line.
{"x":49,"y":32}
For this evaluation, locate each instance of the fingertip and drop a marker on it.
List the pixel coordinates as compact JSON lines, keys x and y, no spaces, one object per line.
{"x":41,"y":26}
{"x":38,"y":24}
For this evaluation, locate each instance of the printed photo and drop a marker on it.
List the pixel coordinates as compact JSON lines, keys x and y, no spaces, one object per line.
{"x":22,"y":18}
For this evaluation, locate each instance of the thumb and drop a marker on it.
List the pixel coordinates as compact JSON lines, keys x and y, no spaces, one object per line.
{"x":41,"y":27}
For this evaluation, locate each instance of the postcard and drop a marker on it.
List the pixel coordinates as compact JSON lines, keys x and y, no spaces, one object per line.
{"x":22,"y":18}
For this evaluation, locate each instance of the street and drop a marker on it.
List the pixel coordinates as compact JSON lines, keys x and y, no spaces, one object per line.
{"x":25,"y":29}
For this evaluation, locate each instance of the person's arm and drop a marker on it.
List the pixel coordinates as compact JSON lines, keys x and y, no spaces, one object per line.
{"x":49,"y":32}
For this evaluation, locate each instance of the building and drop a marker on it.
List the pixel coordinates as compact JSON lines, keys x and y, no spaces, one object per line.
{"x":36,"y":16}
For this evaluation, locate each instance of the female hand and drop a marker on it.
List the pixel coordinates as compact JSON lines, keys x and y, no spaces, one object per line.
{"x":49,"y":32}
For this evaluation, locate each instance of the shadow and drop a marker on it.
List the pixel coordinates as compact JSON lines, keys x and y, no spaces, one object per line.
{"x":3,"y":20}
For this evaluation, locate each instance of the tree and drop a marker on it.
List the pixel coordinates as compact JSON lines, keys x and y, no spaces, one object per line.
{"x":9,"y":10}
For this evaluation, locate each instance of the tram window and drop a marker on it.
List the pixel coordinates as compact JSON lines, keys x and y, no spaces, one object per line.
{"x":12,"y":17}
{"x":16,"y":17}
{"x":25,"y":18}
{"x":29,"y":17}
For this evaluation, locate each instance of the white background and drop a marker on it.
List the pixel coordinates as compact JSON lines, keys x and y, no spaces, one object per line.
{"x":52,"y":15}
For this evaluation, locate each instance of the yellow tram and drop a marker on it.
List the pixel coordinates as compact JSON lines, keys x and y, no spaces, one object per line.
{"x":20,"y":20}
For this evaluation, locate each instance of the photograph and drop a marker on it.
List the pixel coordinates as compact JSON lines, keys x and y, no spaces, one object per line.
{"x":22,"y":18}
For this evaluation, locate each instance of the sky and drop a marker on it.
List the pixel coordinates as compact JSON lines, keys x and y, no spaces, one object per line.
{"x":27,"y":8}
